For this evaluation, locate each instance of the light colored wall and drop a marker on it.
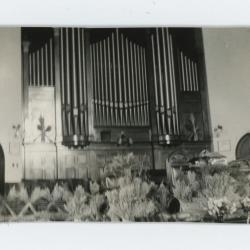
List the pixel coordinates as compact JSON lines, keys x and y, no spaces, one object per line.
{"x":227,"y":55}
{"x":10,"y":99}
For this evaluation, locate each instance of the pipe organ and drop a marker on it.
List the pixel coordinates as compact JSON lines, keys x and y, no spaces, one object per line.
{"x":119,"y":81}
{"x":146,"y":85}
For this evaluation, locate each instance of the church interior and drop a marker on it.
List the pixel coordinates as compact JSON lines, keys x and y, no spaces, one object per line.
{"x":124,"y":124}
{"x":72,"y":98}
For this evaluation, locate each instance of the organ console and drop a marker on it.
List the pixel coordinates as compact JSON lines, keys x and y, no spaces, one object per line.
{"x":141,"y":81}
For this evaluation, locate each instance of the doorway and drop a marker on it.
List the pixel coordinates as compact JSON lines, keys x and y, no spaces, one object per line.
{"x":243,"y":147}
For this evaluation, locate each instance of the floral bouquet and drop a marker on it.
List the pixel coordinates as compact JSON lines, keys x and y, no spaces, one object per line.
{"x":220,"y":207}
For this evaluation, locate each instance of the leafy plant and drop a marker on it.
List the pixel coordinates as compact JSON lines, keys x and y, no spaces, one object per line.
{"x":39,"y":193}
{"x":60,"y":193}
{"x":221,"y":207}
{"x":20,"y":194}
{"x":130,"y":202}
{"x":77,"y":207}
{"x":161,"y":196}
{"x":186,"y":187}
{"x":83,"y":206}
{"x":219,"y":186}
{"x":182,"y":191}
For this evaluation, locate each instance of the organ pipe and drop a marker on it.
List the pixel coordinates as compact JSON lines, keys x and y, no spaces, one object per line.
{"x":165,"y":84}
{"x":73,"y":86}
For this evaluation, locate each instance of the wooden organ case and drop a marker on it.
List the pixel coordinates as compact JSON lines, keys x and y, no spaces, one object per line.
{"x":89,"y":94}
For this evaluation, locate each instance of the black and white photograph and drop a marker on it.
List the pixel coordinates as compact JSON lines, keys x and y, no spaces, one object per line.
{"x":125,"y":124}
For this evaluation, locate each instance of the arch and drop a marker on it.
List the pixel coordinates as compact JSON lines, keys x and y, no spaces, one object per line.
{"x":2,"y":170}
{"x":243,"y":147}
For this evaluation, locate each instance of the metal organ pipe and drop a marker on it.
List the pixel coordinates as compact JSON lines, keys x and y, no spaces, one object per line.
{"x":75,"y":98}
{"x":184,"y":72}
{"x":143,"y":87}
{"x":168,"y":108}
{"x":119,"y":78}
{"x":115,"y":82}
{"x":146,"y":87}
{"x":80,"y":84}
{"x":129,"y":82}
{"x":73,"y":84}
{"x":137,"y":112}
{"x":171,"y":84}
{"x":30,"y":69}
{"x":98,"y":85}
{"x":68,"y":102}
{"x":42,"y":64}
{"x":140,"y":91}
{"x":101,"y":93}
{"x":38,"y":67}
{"x":165,"y":83}
{"x":174,"y":88}
{"x":34,"y":67}
{"x":161,"y":108}
{"x":51,"y":62}
{"x":133,"y":103}
{"x":106,"y":82}
{"x":156,"y":86}
{"x":62,"y":79}
{"x":125,"y":106}
{"x":110,"y":84}
{"x":190,"y":74}
{"x":193,"y":77}
{"x":93,"y":56}
{"x":84,"y":80}
{"x":196,"y":76}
